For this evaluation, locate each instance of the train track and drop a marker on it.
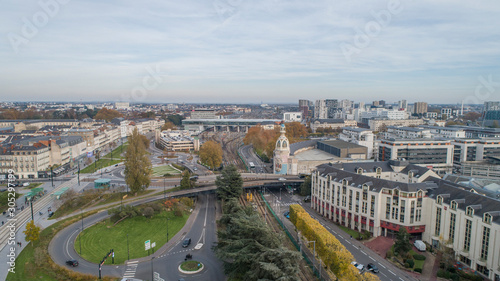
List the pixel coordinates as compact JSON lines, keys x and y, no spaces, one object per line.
{"x":230,"y":143}
{"x":21,"y":217}
{"x":305,"y":272}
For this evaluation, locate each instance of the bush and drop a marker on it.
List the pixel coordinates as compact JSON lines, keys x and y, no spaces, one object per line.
{"x":407,"y":265}
{"x":148,"y":212}
{"x":411,"y":263}
{"x":441,"y":273}
{"x":389,"y":254}
{"x":419,"y":270}
{"x":419,"y":257}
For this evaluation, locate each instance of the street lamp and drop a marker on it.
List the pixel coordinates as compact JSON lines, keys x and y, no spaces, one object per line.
{"x":164,"y":194}
{"x":80,"y":236}
{"x":167,"y":226}
{"x":128,"y":251}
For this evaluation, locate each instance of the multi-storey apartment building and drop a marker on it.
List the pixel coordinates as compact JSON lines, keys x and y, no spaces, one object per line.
{"x":381,"y":197}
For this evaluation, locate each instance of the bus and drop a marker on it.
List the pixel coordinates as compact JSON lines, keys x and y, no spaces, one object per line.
{"x":251,"y":165}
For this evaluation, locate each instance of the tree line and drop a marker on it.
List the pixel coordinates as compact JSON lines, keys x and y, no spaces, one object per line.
{"x":248,"y":248}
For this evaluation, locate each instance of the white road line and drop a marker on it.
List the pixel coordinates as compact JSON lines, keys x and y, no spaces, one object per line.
{"x":372,"y":258}
{"x":363,"y":252}
{"x":132,"y":262}
{"x":348,"y":242}
{"x":401,"y":279}
{"x":382,"y":265}
{"x":392,"y":272}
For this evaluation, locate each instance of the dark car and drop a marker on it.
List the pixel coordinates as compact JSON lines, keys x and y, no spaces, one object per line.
{"x":51,"y":214}
{"x":307,"y":199}
{"x":186,"y":242}
{"x":372,"y":267}
{"x":286,"y":214}
{"x":72,"y":263}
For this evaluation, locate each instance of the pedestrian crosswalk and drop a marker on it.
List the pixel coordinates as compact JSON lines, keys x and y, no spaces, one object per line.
{"x":131,"y":268}
{"x":285,"y":204}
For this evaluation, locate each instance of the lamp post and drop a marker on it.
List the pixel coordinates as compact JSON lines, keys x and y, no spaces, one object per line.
{"x":78,"y":173}
{"x":128,"y":251}
{"x":164,"y":194}
{"x":80,"y":236}
{"x":167,"y":226}
{"x":31,"y":204}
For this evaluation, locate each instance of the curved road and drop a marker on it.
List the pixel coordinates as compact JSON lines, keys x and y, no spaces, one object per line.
{"x":167,"y":258}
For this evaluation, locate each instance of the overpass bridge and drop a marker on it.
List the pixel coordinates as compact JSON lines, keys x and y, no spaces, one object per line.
{"x":254,"y":184}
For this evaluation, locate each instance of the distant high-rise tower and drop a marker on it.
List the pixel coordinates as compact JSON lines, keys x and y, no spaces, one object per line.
{"x":320,"y":110}
{"x":420,"y":108}
{"x":403,"y":104}
{"x":304,"y":108}
{"x":331,"y":107}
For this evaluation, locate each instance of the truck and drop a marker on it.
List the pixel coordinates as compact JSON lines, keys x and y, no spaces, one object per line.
{"x":420,"y":245}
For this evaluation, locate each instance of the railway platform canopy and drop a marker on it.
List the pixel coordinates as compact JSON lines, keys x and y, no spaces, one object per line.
{"x":236,"y":125}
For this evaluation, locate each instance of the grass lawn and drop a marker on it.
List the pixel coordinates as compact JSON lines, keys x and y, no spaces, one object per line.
{"x":419,"y":264}
{"x":33,"y":185}
{"x":190,"y":265}
{"x":98,"y":239}
{"x":165,"y":169}
{"x":349,"y":231}
{"x":105,"y":160}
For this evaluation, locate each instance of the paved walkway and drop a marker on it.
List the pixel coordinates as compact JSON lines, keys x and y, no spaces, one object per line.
{"x":380,"y":245}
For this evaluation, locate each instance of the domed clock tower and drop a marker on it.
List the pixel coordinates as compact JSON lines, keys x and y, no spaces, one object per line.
{"x":281,"y":152}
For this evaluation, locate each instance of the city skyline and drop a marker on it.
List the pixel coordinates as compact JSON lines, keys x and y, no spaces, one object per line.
{"x":228,"y":51}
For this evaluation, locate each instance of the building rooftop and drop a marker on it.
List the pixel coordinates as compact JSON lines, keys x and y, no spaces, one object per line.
{"x":341,"y":144}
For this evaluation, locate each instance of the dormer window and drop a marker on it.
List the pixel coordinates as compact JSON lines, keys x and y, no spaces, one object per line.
{"x":410,"y":175}
{"x":469,"y":211}
{"x":439,"y":199}
{"x":454,"y":205}
{"x":487,"y":218}
{"x":344,"y":182}
{"x":360,"y":171}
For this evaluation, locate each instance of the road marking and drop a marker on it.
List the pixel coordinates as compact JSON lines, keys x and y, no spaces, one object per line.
{"x":392,"y":272}
{"x":371,"y":258}
{"x":363,"y":252}
{"x":401,"y":279}
{"x":348,"y":242}
{"x":382,"y":265}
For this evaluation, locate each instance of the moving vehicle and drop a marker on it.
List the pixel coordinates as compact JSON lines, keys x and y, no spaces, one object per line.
{"x":72,"y":263}
{"x":286,"y":214}
{"x":252,"y":165}
{"x":420,"y":245}
{"x":358,"y":265}
{"x":51,"y":214}
{"x":282,"y":179}
{"x":308,"y":198}
{"x":186,"y":242}
{"x":371,"y":267}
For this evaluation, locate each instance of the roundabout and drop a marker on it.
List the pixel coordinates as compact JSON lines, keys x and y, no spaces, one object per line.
{"x":191,"y":267}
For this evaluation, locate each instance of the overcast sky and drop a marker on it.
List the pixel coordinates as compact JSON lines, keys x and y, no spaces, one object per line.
{"x":240,"y":51}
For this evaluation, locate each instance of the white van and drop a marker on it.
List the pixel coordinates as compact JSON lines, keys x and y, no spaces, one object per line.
{"x":420,"y":245}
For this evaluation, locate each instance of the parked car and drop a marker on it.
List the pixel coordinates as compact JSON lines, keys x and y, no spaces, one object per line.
{"x":72,"y":263}
{"x":358,"y":265}
{"x":51,"y":214}
{"x":286,"y":214}
{"x":186,"y":242}
{"x":371,"y":267}
{"x":282,"y":179}
{"x":420,"y":245}
{"x":308,"y":198}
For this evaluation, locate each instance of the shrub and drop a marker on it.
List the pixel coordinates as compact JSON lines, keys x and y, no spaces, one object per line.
{"x":441,"y":273}
{"x":389,"y":254}
{"x":419,"y":257}
{"x":148,"y":212}
{"x":419,"y":270}
{"x":411,"y":263}
{"x":407,"y":265}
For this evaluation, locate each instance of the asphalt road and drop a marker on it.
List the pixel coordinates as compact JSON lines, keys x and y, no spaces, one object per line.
{"x":362,"y":254}
{"x":166,"y":259}
{"x":248,"y":153}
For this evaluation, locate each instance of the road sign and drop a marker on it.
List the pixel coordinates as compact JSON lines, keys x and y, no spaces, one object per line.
{"x":147,"y":245}
{"x":153,"y":244}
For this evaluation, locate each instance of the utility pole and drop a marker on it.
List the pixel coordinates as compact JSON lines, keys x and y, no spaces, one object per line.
{"x":78,"y":173}
{"x":52,"y":175}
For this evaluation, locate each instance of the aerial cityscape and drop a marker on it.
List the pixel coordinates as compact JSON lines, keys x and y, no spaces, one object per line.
{"x":250,"y":140}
